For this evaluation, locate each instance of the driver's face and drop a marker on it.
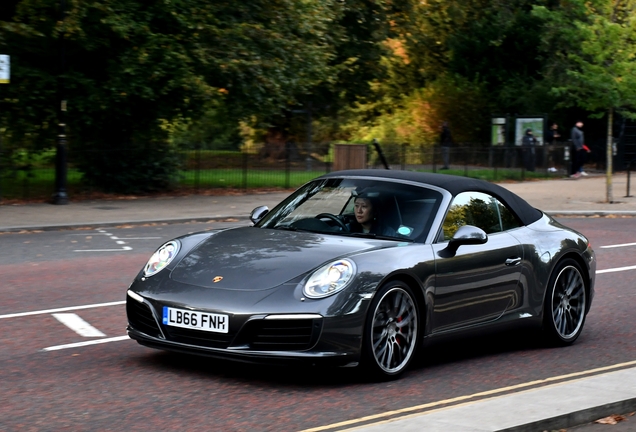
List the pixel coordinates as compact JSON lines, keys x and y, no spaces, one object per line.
{"x":363,"y":210}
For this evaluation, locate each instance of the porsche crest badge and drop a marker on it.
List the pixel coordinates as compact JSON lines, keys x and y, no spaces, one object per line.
{"x":217,"y":279}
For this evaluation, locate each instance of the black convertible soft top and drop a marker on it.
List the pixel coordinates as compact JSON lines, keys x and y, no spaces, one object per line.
{"x":453,"y":184}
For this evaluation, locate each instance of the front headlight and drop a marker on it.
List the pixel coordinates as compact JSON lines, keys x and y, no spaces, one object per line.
{"x":329,"y":279}
{"x":160,"y":259}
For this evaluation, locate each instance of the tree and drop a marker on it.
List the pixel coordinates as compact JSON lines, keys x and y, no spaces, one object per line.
{"x":458,"y":61}
{"x":356,"y":35}
{"x":495,"y":42}
{"x":132,"y":67}
{"x":595,"y":45}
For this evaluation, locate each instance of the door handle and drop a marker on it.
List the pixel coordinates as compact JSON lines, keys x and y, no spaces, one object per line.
{"x":513,"y":261}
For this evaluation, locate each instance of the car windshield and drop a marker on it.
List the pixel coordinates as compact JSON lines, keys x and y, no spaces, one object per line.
{"x":358,"y":207}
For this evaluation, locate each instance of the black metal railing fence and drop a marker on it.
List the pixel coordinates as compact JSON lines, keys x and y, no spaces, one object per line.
{"x":31,"y":176}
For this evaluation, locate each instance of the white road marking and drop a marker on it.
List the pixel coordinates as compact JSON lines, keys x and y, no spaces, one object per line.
{"x":125,"y":248}
{"x":71,"y":308}
{"x":618,"y":245}
{"x":64,"y":309}
{"x":617,"y":269}
{"x":81,"y":344}
{"x":78,"y":325}
{"x":118,"y":241}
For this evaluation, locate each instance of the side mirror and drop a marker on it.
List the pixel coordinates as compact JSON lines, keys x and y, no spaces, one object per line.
{"x":258,"y":213}
{"x":465,"y":235}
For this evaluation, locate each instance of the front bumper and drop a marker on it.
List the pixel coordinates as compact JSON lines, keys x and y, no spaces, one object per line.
{"x":248,"y":356}
{"x":254,"y":338}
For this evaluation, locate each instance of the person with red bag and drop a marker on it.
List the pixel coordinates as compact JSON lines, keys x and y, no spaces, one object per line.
{"x":578,"y":142}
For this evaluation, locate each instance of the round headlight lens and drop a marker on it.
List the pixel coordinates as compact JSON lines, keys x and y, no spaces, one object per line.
{"x":161,"y":258}
{"x":329,"y":279}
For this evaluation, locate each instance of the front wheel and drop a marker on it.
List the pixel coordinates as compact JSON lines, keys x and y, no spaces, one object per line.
{"x":391,"y":331}
{"x":565,"y":303}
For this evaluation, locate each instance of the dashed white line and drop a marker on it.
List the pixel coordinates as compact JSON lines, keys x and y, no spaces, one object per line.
{"x":617,"y":269}
{"x":117,"y":240}
{"x":64,"y":309}
{"x":78,"y":325}
{"x":81,"y":344}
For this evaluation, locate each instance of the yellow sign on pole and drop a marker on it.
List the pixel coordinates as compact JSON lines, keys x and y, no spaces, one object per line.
{"x":5,"y":69}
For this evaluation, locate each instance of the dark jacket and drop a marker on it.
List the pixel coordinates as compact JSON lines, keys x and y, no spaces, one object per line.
{"x":578,"y":138}
{"x":445,"y":137}
{"x":528,"y":140}
{"x":552,"y":136}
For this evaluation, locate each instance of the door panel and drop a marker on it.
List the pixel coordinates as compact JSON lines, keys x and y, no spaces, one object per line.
{"x":478,"y":283}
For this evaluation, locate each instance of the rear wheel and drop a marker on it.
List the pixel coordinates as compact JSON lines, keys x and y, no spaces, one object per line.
{"x":565,"y":303}
{"x":391,"y":331}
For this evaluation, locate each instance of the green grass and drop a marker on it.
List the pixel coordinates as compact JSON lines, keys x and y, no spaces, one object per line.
{"x":40,"y":182}
{"x":236,"y":178}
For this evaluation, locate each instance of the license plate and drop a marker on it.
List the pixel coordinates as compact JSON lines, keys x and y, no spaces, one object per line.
{"x":194,"y":320}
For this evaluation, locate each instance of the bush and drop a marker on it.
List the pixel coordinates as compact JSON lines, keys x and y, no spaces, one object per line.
{"x":133,"y":169}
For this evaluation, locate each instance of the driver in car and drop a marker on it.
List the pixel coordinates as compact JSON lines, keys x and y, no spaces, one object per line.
{"x":366,"y":210}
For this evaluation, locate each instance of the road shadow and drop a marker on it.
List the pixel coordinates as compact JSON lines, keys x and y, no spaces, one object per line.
{"x":444,"y":353}
{"x":306,"y":375}
{"x":463,"y":348}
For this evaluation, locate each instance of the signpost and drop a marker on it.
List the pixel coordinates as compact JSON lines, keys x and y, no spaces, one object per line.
{"x":531,"y":156}
{"x":536,"y":123}
{"x":5,"y":69}
{"x":5,"y":77}
{"x":60,"y":197}
{"x":498,"y":131}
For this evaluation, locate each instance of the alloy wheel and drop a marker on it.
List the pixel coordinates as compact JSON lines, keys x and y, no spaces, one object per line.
{"x":568,"y":302}
{"x":394,"y":330}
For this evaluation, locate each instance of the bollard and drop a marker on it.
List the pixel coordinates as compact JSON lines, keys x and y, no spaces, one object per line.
{"x":629,"y":172}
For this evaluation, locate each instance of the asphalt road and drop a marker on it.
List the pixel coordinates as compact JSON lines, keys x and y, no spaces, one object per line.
{"x":48,"y":383}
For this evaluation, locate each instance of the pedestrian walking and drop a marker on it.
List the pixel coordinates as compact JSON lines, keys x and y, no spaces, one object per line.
{"x":578,"y":144}
{"x":446,"y":140}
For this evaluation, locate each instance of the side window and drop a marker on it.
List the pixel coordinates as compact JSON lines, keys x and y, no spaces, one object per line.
{"x":508,"y":219}
{"x":481,"y":210}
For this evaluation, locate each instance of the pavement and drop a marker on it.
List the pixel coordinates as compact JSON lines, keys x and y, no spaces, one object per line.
{"x":547,"y":406}
{"x":586,"y":196}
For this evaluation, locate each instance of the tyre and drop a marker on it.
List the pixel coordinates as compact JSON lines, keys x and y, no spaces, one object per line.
{"x":565,"y":303}
{"x":391,"y":331}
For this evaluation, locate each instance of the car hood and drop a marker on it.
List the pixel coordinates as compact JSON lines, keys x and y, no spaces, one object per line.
{"x":254,"y":259}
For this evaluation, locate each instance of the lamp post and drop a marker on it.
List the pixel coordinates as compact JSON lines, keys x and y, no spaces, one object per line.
{"x":60,"y":197}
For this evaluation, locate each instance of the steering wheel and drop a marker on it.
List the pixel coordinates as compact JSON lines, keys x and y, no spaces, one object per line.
{"x":333,"y":218}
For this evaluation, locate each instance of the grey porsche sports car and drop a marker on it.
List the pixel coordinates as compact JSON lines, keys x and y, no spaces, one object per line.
{"x":363,"y":267}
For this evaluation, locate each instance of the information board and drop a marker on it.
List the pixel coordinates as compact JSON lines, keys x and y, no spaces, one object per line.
{"x":5,"y":69}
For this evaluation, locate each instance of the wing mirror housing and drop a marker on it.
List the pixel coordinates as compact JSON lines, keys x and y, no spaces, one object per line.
{"x":465,"y":235}
{"x":258,"y":213}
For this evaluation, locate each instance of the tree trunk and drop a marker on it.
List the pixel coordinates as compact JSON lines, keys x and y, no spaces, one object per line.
{"x":609,"y":155}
